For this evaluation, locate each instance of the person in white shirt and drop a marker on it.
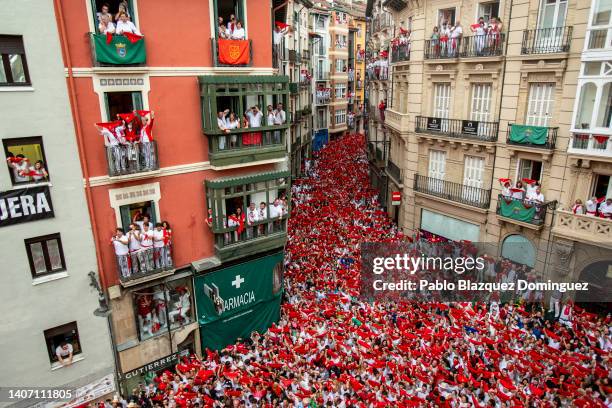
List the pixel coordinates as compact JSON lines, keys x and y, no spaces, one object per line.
{"x":106,"y":26}
{"x":233,"y":123}
{"x":124,"y":25}
{"x":238,"y":33}
{"x":20,"y":165}
{"x":455,"y":38}
{"x":605,"y":208}
{"x":104,"y":12}
{"x":159,"y":256}
{"x":145,"y":219}
{"x":591,"y":206}
{"x":146,"y":243}
{"x":120,"y":244}
{"x":136,"y":256}
{"x":271,"y":118}
{"x":255,"y":117}
{"x":281,"y":116}
{"x":262,"y":215}
{"x":224,"y":126}
{"x":63,"y":352}
{"x":536,"y":196}
{"x":252,"y":218}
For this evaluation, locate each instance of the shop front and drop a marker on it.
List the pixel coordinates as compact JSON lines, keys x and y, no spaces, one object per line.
{"x":448,"y":227}
{"x":144,"y":375}
{"x":234,"y":301}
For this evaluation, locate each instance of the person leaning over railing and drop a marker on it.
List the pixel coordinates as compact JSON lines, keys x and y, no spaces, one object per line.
{"x":124,"y":25}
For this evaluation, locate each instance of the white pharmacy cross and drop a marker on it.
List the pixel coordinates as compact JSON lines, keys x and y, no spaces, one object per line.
{"x":238,"y":281}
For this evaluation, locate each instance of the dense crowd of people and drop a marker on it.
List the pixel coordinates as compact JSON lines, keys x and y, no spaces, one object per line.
{"x":331,"y":349}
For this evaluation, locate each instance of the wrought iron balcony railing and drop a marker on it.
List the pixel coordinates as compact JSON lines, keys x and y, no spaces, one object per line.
{"x":467,"y":129}
{"x":525,"y":211}
{"x":547,"y":40}
{"x":540,"y":137}
{"x":132,"y":158}
{"x":473,"y":196}
{"x":400,"y":53}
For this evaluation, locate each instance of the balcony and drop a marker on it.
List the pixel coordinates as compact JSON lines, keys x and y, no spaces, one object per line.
{"x":382,"y":22}
{"x":246,"y":145}
{"x":322,"y":96}
{"x":294,"y":56}
{"x":294,"y":88}
{"x":585,"y":228}
{"x":134,"y":158}
{"x":119,"y":52}
{"x":377,"y":114}
{"x":397,"y":121}
{"x":458,"y":128}
{"x":146,"y":265}
{"x":546,"y":40}
{"x":305,"y":81}
{"x":231,"y":53}
{"x":244,"y":239}
{"x":490,"y":45}
{"x":459,"y":193}
{"x":590,"y":144}
{"x":523,"y":212}
{"x":306,"y":55}
{"x":436,"y":49}
{"x":322,"y":76}
{"x":539,"y":137}
{"x":400,"y":53}
{"x":395,"y":173}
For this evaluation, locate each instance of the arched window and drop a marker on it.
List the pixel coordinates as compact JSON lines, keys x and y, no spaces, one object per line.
{"x":519,"y":249}
{"x":604,"y":113}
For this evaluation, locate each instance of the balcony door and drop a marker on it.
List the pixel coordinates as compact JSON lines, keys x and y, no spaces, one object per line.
{"x":550,"y":23}
{"x":437,"y":170}
{"x":134,"y":211}
{"x":473,"y":172}
{"x":442,"y":97}
{"x":122,"y":102}
{"x":481,"y":107}
{"x":540,"y":105}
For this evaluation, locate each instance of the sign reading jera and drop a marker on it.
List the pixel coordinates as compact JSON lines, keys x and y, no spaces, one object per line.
{"x":24,"y":205}
{"x":235,"y":301}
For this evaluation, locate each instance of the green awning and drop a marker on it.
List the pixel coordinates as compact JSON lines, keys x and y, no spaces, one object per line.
{"x":248,"y":179}
{"x":243,"y":79}
{"x":523,"y":134}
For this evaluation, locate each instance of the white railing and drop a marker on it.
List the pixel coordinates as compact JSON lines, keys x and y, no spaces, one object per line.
{"x":583,"y":227}
{"x":592,"y":144}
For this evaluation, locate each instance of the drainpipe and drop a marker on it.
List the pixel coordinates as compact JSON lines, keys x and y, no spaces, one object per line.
{"x":59,"y":16}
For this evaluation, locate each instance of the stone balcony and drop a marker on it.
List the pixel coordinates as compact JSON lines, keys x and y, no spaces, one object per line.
{"x":584,"y":228}
{"x":396,"y":121}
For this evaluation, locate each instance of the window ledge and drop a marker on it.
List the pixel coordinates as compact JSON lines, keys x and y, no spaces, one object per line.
{"x":28,"y":185}
{"x":16,"y":89}
{"x":57,"y":365}
{"x":49,"y":278}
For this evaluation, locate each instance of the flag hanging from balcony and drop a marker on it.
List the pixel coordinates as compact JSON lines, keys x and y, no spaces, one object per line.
{"x":524,"y":134}
{"x":517,"y":210}
{"x":119,"y":50}
{"x":233,"y":52}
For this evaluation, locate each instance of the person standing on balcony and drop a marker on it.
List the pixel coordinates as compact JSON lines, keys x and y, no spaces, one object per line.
{"x":255,"y":117}
{"x":233,"y":123}
{"x":141,"y":220}
{"x":120,"y":244}
{"x":104,"y":12}
{"x":223,"y":125}
{"x":158,"y":245}
{"x":455,"y":38}
{"x":252,"y":218}
{"x":238,"y":33}
{"x":578,"y":207}
{"x":605,"y":209}
{"x":146,"y":243}
{"x":445,"y":32}
{"x":281,"y":115}
{"x":591,"y":206}
{"x":146,"y":140}
{"x":263,"y":214}
{"x":494,"y":31}
{"x":113,"y":144}
{"x":479,"y":35}
{"x":231,"y":25}
{"x":167,"y":243}
{"x":518,"y":192}
{"x":106,"y":26}
{"x":124,"y":25}
{"x":136,"y":258}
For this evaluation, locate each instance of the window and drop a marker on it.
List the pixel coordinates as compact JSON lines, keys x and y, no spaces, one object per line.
{"x":321,"y":119}
{"x":340,"y":116}
{"x":552,"y":13}
{"x":137,"y":211}
{"x":340,"y":91}
{"x":14,"y":67}
{"x":122,"y":102}
{"x":446,"y":15}
{"x":225,"y":9}
{"x":114,"y":7}
{"x":481,"y":102}
{"x":229,"y":199}
{"x":63,"y":341}
{"x":162,"y":306}
{"x":442,"y":95}
{"x":26,"y":160}
{"x":45,"y":255}
{"x":488,"y":10}
{"x":320,"y":21}
{"x":340,"y":65}
{"x":602,"y":186}
{"x":540,"y":105}
{"x":530,"y":169}
{"x":595,"y":106}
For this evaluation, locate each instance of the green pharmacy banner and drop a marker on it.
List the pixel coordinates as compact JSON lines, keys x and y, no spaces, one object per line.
{"x":119,"y":50}
{"x":235,"y":301}
{"x":517,"y":210}
{"x":524,"y":134}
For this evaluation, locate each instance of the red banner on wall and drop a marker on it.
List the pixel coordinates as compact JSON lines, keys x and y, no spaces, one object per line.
{"x":233,"y":52}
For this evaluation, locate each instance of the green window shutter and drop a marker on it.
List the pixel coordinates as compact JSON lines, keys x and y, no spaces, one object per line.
{"x":126,"y":218}
{"x":107,"y":107}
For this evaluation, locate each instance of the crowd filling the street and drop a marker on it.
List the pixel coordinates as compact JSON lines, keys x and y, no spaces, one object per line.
{"x":331,"y":348}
